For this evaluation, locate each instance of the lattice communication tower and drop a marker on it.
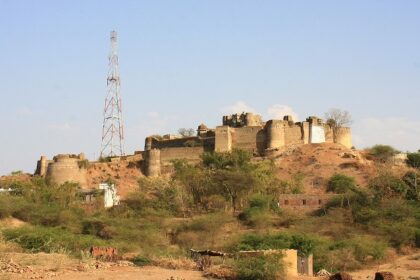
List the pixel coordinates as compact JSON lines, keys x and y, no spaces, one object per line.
{"x":113,"y":129}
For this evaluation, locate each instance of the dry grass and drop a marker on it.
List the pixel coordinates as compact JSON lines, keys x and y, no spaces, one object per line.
{"x":220,"y":272}
{"x":179,"y":263}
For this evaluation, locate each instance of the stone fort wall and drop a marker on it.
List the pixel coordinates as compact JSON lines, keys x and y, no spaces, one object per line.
{"x":64,"y":168}
{"x":244,"y":131}
{"x":247,"y":132}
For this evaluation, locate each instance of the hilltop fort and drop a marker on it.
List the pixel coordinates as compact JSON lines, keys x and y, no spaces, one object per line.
{"x":246,"y":131}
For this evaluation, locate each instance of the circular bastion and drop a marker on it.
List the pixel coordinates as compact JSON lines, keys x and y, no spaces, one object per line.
{"x":67,"y":168}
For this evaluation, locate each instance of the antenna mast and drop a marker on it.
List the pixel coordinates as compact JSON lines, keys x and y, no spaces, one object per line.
{"x":112,"y":129}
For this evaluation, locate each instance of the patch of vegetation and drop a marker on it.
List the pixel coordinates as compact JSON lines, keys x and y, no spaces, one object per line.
{"x":340,"y":183}
{"x":413,"y":160}
{"x":104,"y":159}
{"x":268,"y":267}
{"x":382,"y":153}
{"x":50,"y":240}
{"x":141,"y":260}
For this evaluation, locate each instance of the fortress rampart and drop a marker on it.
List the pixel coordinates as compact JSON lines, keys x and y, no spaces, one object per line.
{"x":245,"y":131}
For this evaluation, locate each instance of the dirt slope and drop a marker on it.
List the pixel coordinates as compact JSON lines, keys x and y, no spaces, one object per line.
{"x":125,"y":175}
{"x":318,"y":162}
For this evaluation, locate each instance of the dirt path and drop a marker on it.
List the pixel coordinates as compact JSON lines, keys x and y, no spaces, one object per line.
{"x":144,"y":273}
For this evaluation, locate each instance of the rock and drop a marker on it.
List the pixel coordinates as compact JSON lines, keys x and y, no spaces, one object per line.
{"x":322,"y":272}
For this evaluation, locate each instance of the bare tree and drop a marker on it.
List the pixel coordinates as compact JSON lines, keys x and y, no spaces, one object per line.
{"x":337,"y":119}
{"x":186,"y":132}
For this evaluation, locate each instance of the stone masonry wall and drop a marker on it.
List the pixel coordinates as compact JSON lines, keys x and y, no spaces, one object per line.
{"x":66,"y":168}
{"x":188,"y":153}
{"x":249,"y":138}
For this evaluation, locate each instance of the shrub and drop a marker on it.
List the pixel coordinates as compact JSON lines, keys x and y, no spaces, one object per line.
{"x":340,"y":183}
{"x":257,"y":212}
{"x":382,"y":153}
{"x":268,"y":267}
{"x":254,"y":241}
{"x":236,"y":159}
{"x":201,"y":231}
{"x":42,"y":239}
{"x":365,"y":248}
{"x":141,"y":260}
{"x":303,"y":244}
{"x":387,"y":185}
{"x":294,"y":185}
{"x":98,"y":228}
{"x":104,"y":159}
{"x":413,"y":159}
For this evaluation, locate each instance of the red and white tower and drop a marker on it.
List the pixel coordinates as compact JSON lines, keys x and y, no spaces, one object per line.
{"x":113,"y":129}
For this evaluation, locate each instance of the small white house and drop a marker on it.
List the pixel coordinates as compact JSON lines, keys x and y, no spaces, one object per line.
{"x":110,"y":195}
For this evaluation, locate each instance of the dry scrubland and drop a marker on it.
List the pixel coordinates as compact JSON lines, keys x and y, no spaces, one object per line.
{"x":227,"y":203}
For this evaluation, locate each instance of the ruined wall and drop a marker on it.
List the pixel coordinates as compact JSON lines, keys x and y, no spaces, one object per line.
{"x":303,"y":201}
{"x":253,"y":120}
{"x":241,"y":120}
{"x":66,"y":168}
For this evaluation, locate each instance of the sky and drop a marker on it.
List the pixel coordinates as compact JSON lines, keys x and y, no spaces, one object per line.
{"x":188,"y":62}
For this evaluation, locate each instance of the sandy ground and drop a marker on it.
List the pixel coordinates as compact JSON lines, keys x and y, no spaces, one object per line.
{"x":403,"y":268}
{"x":56,"y":266}
{"x":146,"y":273}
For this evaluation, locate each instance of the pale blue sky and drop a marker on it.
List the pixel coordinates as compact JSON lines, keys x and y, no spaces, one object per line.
{"x":187,"y":62}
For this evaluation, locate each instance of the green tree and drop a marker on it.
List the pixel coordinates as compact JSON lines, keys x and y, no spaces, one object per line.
{"x":340,"y":183}
{"x":303,"y":244}
{"x":238,"y":159}
{"x":194,"y":179}
{"x":233,"y":184}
